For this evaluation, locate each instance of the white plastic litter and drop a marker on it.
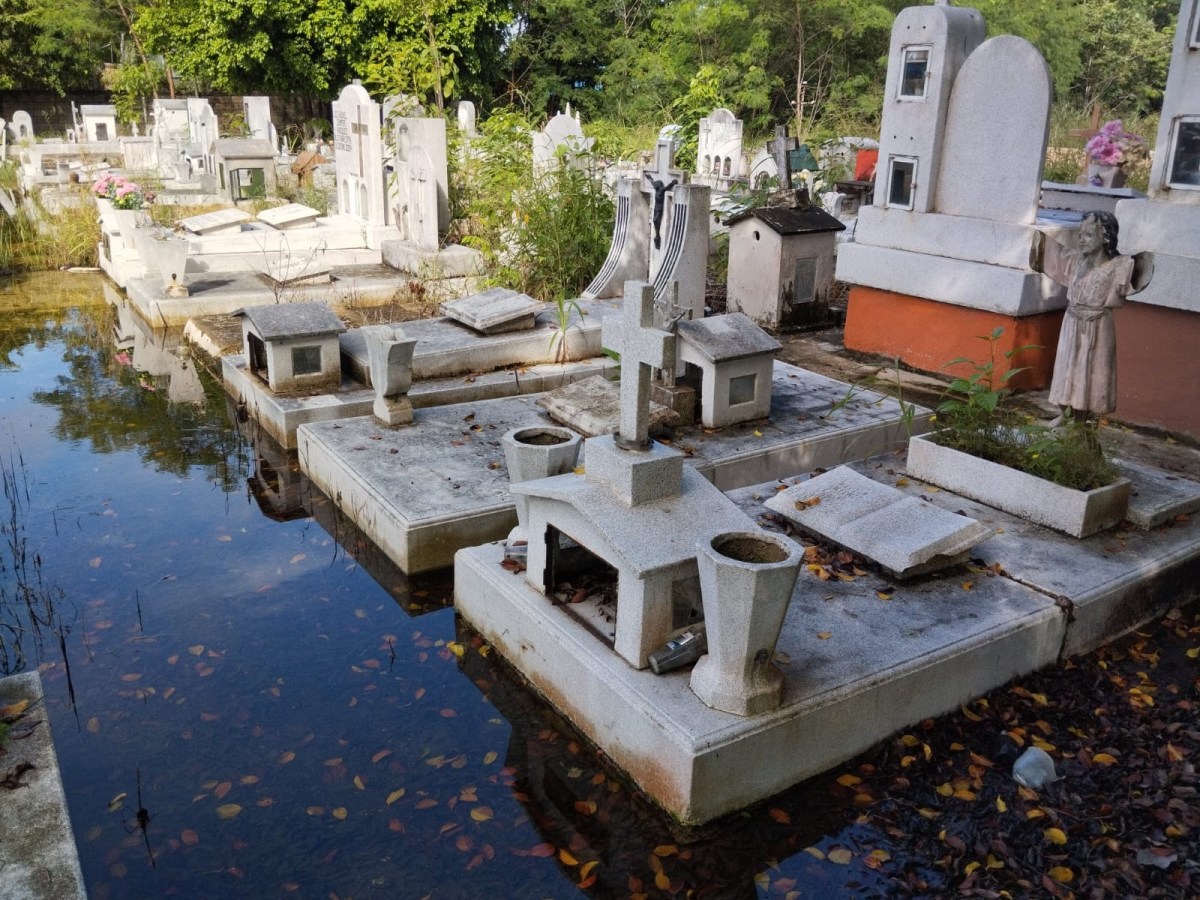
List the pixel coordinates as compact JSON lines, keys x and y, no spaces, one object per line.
{"x":1034,"y":769}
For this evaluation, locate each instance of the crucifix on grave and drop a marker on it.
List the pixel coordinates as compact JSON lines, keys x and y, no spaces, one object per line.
{"x":662,"y":178}
{"x":667,"y":315}
{"x":360,"y":128}
{"x":780,"y":147}
{"x":642,"y":347}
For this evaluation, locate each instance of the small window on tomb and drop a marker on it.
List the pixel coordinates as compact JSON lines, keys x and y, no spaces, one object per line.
{"x":248,"y":184}
{"x":101,"y":131}
{"x":914,"y":74}
{"x":901,"y":181}
{"x":1185,"y":153}
{"x":804,"y":286}
{"x":306,"y":360}
{"x":741,"y":389}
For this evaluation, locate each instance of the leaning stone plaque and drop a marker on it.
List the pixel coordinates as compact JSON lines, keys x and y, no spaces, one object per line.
{"x":494,"y":311}
{"x":592,"y":407}
{"x":289,"y":271}
{"x":904,"y":534}
{"x":290,"y":215}
{"x":218,"y":222}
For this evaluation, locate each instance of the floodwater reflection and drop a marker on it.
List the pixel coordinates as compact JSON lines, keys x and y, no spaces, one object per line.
{"x":248,"y":699}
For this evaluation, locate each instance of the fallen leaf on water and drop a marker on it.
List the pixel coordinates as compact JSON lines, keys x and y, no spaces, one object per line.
{"x":1061,"y":874}
{"x":295,"y":559}
{"x":813,"y":851}
{"x":841,"y":856}
{"x":14,"y":709}
{"x":286,"y":756}
{"x":224,"y":538}
{"x":489,"y":757}
{"x":249,"y":779}
{"x":339,"y":812}
{"x":315,"y":810}
{"x":481,"y":813}
{"x":542,"y":850}
{"x":359,"y":783}
{"x":222,"y":789}
{"x":394,"y":796}
{"x":132,"y":676}
{"x":426,"y":803}
{"x":117,"y":802}
{"x":228,"y":810}
{"x":380,"y":755}
{"x":189,"y":837}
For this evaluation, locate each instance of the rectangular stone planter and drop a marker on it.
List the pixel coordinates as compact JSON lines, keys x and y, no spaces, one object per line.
{"x":1077,"y":513}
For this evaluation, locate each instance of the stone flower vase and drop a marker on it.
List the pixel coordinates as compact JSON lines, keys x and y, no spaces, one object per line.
{"x":746,"y":579}
{"x":389,"y":355}
{"x":533,"y":452}
{"x":169,"y":256}
{"x":1109,"y":176}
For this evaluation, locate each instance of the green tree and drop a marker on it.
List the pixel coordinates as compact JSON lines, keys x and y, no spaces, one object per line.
{"x":1125,"y":55}
{"x":59,"y":45}
{"x":248,"y":45}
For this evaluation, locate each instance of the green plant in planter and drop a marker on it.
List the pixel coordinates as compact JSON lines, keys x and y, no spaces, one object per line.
{"x":975,"y":419}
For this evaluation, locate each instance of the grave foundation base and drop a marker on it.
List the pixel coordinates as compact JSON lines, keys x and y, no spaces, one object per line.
{"x":699,"y":763}
{"x":926,"y":334}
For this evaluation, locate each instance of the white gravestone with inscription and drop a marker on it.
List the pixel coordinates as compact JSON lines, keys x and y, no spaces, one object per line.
{"x":358,"y":156}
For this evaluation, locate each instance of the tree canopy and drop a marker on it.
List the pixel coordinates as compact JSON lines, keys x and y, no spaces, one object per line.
{"x":626,"y":60}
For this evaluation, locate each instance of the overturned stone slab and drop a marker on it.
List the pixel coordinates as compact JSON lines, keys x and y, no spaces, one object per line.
{"x":1158,"y":497}
{"x":290,"y":215}
{"x":495,"y":311}
{"x":593,"y":407}
{"x":289,"y":271}
{"x":904,"y":534}
{"x":217,"y":222}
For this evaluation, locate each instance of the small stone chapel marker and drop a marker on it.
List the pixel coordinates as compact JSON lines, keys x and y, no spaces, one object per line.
{"x":779,"y":147}
{"x":642,"y":348}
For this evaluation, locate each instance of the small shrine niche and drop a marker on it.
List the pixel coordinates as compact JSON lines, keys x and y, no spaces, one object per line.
{"x":293,"y":347}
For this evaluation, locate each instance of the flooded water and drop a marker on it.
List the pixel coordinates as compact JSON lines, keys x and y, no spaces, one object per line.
{"x":294,"y":716}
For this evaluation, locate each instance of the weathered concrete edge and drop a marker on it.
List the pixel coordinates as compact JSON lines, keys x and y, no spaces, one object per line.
{"x":35,"y":825}
{"x":689,"y":778}
{"x":416,"y":546}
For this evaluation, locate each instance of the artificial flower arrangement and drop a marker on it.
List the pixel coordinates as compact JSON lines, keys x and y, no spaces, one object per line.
{"x":1114,"y":146}
{"x":123,"y":193}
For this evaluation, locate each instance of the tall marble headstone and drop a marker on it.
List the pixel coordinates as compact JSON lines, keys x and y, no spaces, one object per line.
{"x":257,"y":114}
{"x":719,"y":149}
{"x":358,"y":160}
{"x":22,"y":126}
{"x":419,"y":189}
{"x":562,"y":131}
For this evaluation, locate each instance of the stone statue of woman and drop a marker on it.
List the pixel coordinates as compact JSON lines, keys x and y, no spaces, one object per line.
{"x":1098,"y":279}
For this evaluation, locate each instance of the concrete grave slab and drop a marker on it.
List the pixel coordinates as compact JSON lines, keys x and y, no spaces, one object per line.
{"x":294,"y":271}
{"x":446,"y":348}
{"x":903,"y":534}
{"x":494,"y":311}
{"x":217,"y":222}
{"x":290,"y":215}
{"x":926,"y":656}
{"x":424,"y":490}
{"x":814,"y":427}
{"x":280,"y":415}
{"x":38,"y":857}
{"x":1158,"y":497}
{"x":593,"y":407}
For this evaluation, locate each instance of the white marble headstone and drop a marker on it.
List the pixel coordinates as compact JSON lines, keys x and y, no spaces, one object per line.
{"x":358,"y":156}
{"x":996,"y":130}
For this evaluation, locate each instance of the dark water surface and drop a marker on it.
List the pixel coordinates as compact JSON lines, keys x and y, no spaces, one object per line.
{"x":300,"y":719}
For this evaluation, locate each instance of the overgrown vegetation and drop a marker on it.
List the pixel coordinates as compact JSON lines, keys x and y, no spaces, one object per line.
{"x":975,"y":419}
{"x":544,"y":234}
{"x":42,"y":237}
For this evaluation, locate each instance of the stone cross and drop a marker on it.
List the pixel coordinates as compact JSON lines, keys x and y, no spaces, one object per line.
{"x":779,"y":147}
{"x":664,"y":163}
{"x":642,"y":348}
{"x":667,"y":315}
{"x":360,"y":128}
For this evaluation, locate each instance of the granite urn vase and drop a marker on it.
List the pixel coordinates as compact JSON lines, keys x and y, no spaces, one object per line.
{"x":533,"y":452}
{"x":746,"y":579}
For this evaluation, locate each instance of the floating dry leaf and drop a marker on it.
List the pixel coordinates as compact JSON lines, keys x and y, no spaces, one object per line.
{"x":228,"y":810}
{"x":482,"y":813}
{"x":839,"y":855}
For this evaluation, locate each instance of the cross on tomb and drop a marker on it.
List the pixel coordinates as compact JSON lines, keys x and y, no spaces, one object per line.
{"x":664,"y":163}
{"x":642,"y":347}
{"x":360,"y":128}
{"x":667,"y":314}
{"x":778,"y":147}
